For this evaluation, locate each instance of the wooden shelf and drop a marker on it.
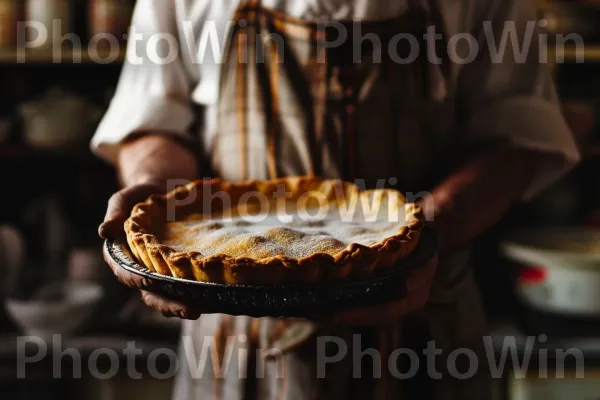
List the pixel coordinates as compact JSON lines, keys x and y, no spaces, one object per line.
{"x":8,"y":152}
{"x":570,"y":54}
{"x":591,"y":53}
{"x":62,"y":56}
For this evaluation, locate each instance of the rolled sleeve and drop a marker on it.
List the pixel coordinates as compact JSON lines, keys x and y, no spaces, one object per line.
{"x":516,"y":99}
{"x":150,"y":96}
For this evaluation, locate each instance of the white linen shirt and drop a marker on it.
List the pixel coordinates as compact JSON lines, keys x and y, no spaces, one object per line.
{"x":159,"y":97}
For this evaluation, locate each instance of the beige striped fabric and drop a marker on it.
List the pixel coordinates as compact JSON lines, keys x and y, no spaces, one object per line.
{"x":289,"y":105}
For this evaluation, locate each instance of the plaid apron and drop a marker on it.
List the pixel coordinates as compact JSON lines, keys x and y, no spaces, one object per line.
{"x":289,"y":105}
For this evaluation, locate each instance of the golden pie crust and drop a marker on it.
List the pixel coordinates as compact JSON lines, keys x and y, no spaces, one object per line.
{"x":191,"y":233}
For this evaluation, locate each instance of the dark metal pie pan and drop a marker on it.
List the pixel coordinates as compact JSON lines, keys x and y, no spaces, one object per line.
{"x":283,"y":300}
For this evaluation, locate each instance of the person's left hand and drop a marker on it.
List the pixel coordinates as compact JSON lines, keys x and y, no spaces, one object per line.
{"x":417,"y":293}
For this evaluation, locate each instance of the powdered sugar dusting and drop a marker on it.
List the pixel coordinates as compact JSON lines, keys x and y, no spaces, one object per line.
{"x":269,"y":235}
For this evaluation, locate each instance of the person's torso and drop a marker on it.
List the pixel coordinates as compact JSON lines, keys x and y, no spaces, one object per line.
{"x":398,"y":136}
{"x":206,"y":26}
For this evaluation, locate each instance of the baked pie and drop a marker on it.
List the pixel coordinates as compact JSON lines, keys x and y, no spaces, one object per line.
{"x":291,"y":230}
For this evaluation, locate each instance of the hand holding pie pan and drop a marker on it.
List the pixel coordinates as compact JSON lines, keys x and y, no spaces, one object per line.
{"x":293,"y":247}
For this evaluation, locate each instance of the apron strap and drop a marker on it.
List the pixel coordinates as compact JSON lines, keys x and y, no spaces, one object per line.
{"x":266,"y":61}
{"x":250,"y":3}
{"x":415,"y":4}
{"x":303,"y":91}
{"x":270,"y":73}
{"x":241,"y":42}
{"x":445,"y":68}
{"x":435,"y":77}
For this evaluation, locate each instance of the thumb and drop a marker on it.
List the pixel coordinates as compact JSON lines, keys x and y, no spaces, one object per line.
{"x":120,"y":205}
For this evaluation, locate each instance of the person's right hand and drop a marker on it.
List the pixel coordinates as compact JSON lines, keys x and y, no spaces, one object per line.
{"x":119,"y":208}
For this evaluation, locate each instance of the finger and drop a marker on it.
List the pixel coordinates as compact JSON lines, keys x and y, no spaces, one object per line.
{"x":125,"y":277}
{"x":373,"y":315}
{"x":120,"y":205}
{"x":168,"y":307}
{"x":384,"y":313}
{"x":417,"y":293}
{"x":420,"y":280}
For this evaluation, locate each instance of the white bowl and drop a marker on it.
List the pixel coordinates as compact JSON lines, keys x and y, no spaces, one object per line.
{"x":60,"y":308}
{"x":560,"y":269}
{"x":555,"y":247}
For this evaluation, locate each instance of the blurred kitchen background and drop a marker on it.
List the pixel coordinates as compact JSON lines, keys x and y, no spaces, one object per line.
{"x":539,"y":269}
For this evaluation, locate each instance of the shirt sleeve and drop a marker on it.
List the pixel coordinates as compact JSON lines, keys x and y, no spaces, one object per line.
{"x":153,"y":91}
{"x":512,"y":96}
